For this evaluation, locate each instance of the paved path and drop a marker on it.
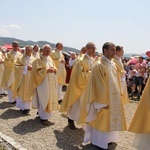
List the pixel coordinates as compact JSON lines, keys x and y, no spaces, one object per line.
{"x":28,"y":132}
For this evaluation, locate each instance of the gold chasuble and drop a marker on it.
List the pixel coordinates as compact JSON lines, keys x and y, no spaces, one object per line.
{"x":1,"y":67}
{"x":36,"y":54}
{"x":141,"y":120}
{"x":102,"y":106}
{"x":8,"y":76}
{"x":78,"y":82}
{"x":43,"y":85}
{"x":57,"y":56}
{"x":122,"y":72}
{"x":22,"y":77}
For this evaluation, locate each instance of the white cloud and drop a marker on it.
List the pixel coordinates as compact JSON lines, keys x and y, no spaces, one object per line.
{"x":7,"y":30}
{"x":12,"y":26}
{"x":4,"y":32}
{"x":15,"y":26}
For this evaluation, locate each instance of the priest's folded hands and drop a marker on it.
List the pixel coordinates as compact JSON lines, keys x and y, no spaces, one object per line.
{"x":51,"y":70}
{"x":29,"y":68}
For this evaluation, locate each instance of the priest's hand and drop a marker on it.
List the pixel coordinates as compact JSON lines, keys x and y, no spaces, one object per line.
{"x":106,"y":107}
{"x":62,"y":61}
{"x":29,"y":68}
{"x":1,"y":61}
{"x":51,"y":70}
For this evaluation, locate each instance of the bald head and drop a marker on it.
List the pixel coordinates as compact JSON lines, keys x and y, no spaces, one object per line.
{"x":90,"y":46}
{"x":46,"y":49}
{"x":28,"y":50}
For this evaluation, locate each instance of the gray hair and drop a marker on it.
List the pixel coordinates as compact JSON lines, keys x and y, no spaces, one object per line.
{"x":46,"y":45}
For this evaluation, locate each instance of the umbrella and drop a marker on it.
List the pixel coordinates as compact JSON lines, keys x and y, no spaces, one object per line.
{"x":8,"y":46}
{"x":133,"y":61}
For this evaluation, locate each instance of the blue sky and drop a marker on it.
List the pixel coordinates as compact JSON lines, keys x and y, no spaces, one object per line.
{"x":76,"y":22}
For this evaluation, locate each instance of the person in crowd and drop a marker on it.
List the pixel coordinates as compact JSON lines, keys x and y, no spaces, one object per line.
{"x":74,"y":95}
{"x":71,"y":62}
{"x":8,"y":75}
{"x":43,"y":86}
{"x":59,"y":61}
{"x":82,"y":52}
{"x":41,"y":50}
{"x":35,"y":52}
{"x":139,"y":77}
{"x":22,"y":50}
{"x":72,"y":59}
{"x":68,"y":70}
{"x":102,"y":108}
{"x":2,"y":58}
{"x":22,"y":71}
{"x":122,"y":73}
{"x":140,"y":124}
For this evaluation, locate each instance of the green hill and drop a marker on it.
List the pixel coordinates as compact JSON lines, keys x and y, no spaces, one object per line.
{"x":8,"y":40}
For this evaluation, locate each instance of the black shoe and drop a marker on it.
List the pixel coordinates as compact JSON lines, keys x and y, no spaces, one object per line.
{"x":138,"y":97}
{"x":13,"y":102}
{"x":26,"y":111}
{"x":72,"y":126}
{"x":4,"y":94}
{"x":46,"y":122}
{"x":112,"y":143}
{"x":60,"y":102}
{"x":130,"y":95}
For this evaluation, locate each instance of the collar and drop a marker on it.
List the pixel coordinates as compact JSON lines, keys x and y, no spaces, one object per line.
{"x":117,"y":57}
{"x":108,"y":60}
{"x":88,"y":56}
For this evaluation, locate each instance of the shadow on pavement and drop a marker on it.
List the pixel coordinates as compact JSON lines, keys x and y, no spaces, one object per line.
{"x":31,"y":125}
{"x":5,"y":105}
{"x":12,"y":114}
{"x":73,"y":140}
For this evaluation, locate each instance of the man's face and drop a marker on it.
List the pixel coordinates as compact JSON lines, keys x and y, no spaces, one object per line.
{"x":110,"y":53}
{"x":28,"y":51}
{"x":83,"y":50}
{"x":15,"y":47}
{"x":35,"y":49}
{"x":120,"y":53}
{"x":140,"y":59}
{"x":59,"y":47}
{"x":46,"y":51}
{"x":91,"y":49}
{"x":73,"y":56}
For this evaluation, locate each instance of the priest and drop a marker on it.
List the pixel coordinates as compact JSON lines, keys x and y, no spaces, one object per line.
{"x":61,"y":74}
{"x":122,"y":73}
{"x":22,"y":71}
{"x":8,"y":75}
{"x":73,"y":98}
{"x":43,"y":86}
{"x":140,"y":124}
{"x":102,"y":108}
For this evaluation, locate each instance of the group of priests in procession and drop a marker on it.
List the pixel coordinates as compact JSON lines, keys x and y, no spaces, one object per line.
{"x":94,"y":97}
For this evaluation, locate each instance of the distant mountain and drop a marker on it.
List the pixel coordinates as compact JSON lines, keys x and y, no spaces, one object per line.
{"x":8,"y":40}
{"x":133,"y":54}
